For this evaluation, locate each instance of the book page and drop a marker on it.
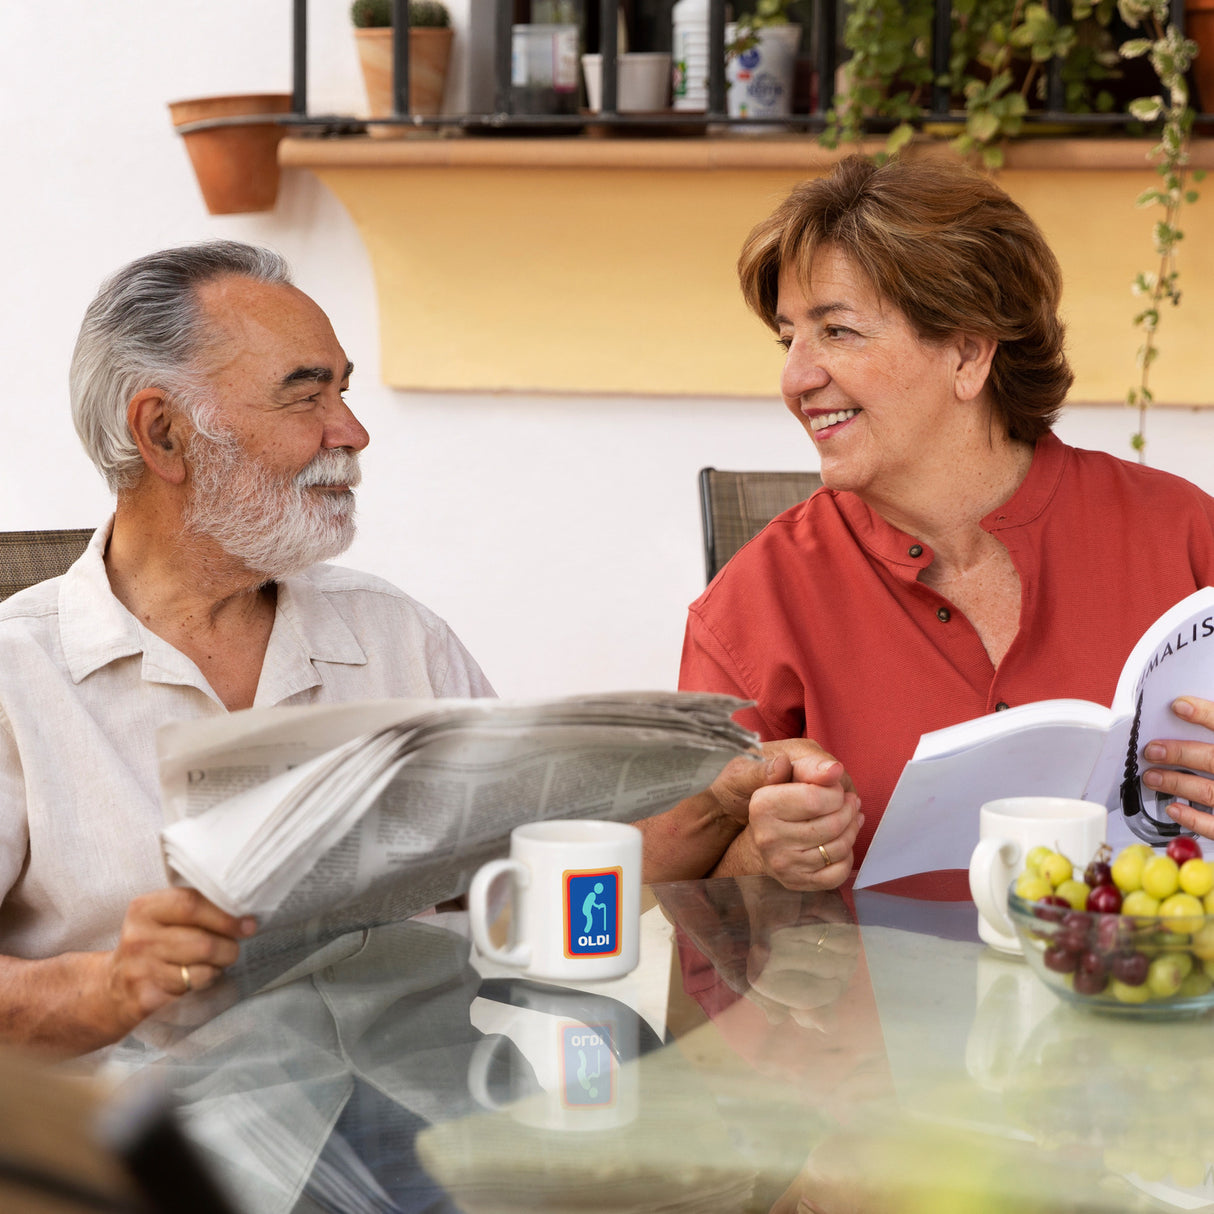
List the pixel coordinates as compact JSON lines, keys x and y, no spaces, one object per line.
{"x":1174,"y":658}
{"x":931,"y":821}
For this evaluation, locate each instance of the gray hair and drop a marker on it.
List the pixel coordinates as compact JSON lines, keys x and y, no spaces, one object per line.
{"x":145,"y":329}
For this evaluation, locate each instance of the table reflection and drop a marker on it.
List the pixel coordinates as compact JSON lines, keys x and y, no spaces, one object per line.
{"x":819,"y":1055}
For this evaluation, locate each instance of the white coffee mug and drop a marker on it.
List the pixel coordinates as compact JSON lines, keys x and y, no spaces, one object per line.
{"x":1007,"y":831}
{"x":576,"y":897}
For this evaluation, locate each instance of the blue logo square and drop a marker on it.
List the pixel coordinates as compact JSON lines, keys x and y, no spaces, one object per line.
{"x":592,"y":913}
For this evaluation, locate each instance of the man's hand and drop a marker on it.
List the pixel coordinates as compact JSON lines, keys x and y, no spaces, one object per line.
{"x":172,"y":941}
{"x":802,"y":831}
{"x":687,"y":841}
{"x":77,"y":1002}
{"x":744,"y":776}
{"x":1197,"y":757}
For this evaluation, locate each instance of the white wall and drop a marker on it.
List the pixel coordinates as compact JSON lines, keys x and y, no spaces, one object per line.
{"x":560,"y":535}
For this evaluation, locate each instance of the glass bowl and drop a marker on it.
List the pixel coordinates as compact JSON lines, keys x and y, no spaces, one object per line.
{"x":1150,"y":967}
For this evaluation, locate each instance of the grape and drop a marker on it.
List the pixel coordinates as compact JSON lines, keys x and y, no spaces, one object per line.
{"x":1138,"y":902}
{"x":1055,"y":868}
{"x":1127,"y":868}
{"x":1075,"y":892}
{"x":1060,"y":960}
{"x":1105,"y":899}
{"x":1161,"y":877}
{"x":1051,"y":908}
{"x":1112,"y":933}
{"x":1073,"y":932}
{"x":1182,"y":848}
{"x":1090,"y":982}
{"x":1130,"y":968}
{"x":1166,"y":972}
{"x":1196,"y":876}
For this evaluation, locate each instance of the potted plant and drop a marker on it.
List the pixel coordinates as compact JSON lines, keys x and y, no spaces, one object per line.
{"x":430,"y":36}
{"x":998,"y":53}
{"x":760,"y":61}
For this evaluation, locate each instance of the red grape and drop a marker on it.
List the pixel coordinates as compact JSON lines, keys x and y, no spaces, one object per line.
{"x":1130,"y":968}
{"x":1060,"y":960}
{"x":1073,"y":932}
{"x":1104,"y":899}
{"x":1090,"y":980}
{"x":1051,"y":908}
{"x":1182,"y":848}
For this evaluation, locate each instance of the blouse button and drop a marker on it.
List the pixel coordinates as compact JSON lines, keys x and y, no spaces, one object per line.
{"x":915,"y":550}
{"x":943,"y":615}
{"x":1001,"y":707}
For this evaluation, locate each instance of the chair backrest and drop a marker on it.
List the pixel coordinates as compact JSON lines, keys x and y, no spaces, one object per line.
{"x":29,"y":557}
{"x":736,"y":506}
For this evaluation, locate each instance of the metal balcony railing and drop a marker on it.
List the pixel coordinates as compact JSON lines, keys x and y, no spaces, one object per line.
{"x":823,"y":40}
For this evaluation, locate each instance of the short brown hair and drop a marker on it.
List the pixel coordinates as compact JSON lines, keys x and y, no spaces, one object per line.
{"x":948,"y":248}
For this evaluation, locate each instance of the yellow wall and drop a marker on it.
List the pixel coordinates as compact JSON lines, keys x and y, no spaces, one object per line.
{"x":614,"y":273}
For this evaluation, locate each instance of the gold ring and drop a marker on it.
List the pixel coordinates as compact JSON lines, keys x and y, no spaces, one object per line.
{"x":825,"y":854}
{"x":185,"y":977}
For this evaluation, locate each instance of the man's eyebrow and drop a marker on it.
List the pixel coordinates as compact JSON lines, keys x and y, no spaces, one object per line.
{"x":313,"y":375}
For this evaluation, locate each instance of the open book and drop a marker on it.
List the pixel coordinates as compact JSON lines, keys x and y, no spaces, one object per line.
{"x":375,"y":810}
{"x":1063,"y":748}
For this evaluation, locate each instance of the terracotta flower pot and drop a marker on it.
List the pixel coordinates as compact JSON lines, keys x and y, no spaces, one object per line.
{"x":236,"y":164}
{"x":429,"y":54}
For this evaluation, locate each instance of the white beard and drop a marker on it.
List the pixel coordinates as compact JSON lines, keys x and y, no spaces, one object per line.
{"x":275,"y":526}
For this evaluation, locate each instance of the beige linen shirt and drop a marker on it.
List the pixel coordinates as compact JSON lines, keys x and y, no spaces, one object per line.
{"x":83,"y":687}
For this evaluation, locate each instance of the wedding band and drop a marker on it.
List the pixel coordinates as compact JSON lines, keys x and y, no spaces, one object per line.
{"x":825,"y":854}
{"x":185,"y":977}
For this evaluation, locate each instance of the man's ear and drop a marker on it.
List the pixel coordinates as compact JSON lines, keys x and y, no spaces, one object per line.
{"x":975,"y":355}
{"x":156,"y":427}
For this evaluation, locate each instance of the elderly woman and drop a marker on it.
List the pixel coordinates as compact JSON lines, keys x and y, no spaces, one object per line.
{"x":960,"y":558}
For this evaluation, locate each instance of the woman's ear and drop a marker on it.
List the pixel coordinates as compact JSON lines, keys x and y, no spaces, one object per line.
{"x":156,"y":428}
{"x":975,"y":354}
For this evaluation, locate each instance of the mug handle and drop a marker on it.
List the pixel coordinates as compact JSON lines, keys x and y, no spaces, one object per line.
{"x":518,"y":957}
{"x":991,"y":902}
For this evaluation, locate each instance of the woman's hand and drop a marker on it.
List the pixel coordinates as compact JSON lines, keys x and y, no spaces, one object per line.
{"x":803,"y":831}
{"x":1198,"y":757}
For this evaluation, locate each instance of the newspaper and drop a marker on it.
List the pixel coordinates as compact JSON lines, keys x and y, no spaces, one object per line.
{"x":371,"y":811}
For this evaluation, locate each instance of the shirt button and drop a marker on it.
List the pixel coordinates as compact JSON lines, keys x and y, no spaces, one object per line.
{"x":943,"y":615}
{"x":915,"y":550}
{"x":1002,"y":707}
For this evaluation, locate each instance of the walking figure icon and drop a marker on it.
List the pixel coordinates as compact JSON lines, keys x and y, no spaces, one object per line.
{"x":592,"y":913}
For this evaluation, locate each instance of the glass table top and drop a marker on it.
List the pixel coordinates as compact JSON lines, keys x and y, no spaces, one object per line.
{"x":773,"y":1051}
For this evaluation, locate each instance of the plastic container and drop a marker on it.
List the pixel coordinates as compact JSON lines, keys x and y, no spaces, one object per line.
{"x":544,"y":75}
{"x":689,"y":52}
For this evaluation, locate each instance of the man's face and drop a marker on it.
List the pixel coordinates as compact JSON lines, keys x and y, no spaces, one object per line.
{"x":273,"y":460}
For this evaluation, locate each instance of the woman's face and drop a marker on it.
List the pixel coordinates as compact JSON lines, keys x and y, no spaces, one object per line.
{"x":880,"y":404}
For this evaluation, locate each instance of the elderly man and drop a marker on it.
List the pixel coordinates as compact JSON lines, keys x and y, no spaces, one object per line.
{"x":210,"y":393}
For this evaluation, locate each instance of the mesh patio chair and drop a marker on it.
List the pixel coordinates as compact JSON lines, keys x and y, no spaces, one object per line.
{"x":736,"y":506}
{"x":29,"y":557}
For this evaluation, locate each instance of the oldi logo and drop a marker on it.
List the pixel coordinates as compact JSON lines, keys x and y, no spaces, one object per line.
{"x":592,"y":912}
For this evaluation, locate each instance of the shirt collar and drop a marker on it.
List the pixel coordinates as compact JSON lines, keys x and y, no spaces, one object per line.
{"x":96,"y":629}
{"x":896,"y":549}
